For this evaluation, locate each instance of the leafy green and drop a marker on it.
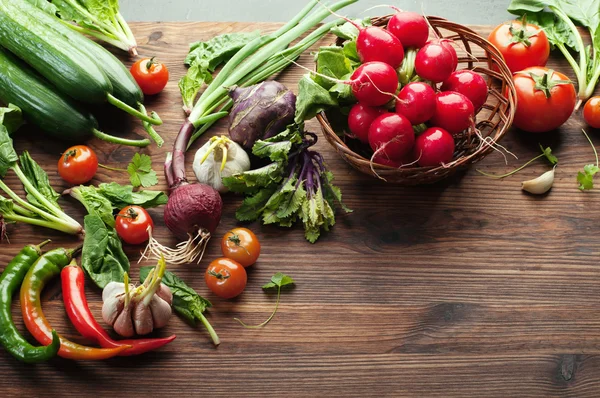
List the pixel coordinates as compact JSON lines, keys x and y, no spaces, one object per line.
{"x":312,"y":99}
{"x":546,"y":153}
{"x":140,"y":171}
{"x":296,"y":186}
{"x":332,"y":62}
{"x":586,"y":178}
{"x":123,"y":195}
{"x":559,"y":25}
{"x":186,"y":302}
{"x":11,"y":117}
{"x":8,"y":155}
{"x":278,"y":281}
{"x":205,"y":57}
{"x":38,"y":179}
{"x":98,"y":18}
{"x":102,"y":256}
{"x":348,"y":31}
{"x":95,"y":203}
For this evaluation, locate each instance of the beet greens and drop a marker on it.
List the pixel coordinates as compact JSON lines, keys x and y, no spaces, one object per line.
{"x":296,"y":186}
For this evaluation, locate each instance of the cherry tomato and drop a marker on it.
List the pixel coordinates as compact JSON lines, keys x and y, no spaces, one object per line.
{"x":522,"y":44}
{"x":151,"y":76}
{"x":241,"y":245}
{"x":78,"y":164}
{"x":226,"y":278}
{"x":545,"y":99}
{"x":132,"y":224}
{"x":591,"y":112}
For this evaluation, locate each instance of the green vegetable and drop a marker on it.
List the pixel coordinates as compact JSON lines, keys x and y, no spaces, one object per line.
{"x":42,"y":105}
{"x":546,"y":152}
{"x":186,"y":302}
{"x":102,"y":256}
{"x":205,"y":57}
{"x":349,"y":31}
{"x":98,"y":18}
{"x":11,"y":118}
{"x":586,"y":178}
{"x":561,"y":29}
{"x":295,"y":186}
{"x":140,"y":171}
{"x":278,"y":281}
{"x":41,"y":207}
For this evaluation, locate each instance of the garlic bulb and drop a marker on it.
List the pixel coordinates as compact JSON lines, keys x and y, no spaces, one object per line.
{"x":539,"y":185}
{"x":219,"y":157}
{"x":138,"y":310}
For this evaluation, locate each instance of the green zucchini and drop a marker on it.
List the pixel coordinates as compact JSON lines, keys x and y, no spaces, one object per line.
{"x":43,"y":106}
{"x":124,"y":85}
{"x":68,"y":68}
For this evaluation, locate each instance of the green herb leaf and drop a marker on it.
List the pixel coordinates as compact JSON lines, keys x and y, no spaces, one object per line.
{"x":140,"y":171}
{"x":95,"y":203}
{"x":8,"y":155}
{"x":11,"y":117}
{"x":121,"y":196}
{"x":279,"y":280}
{"x":39,"y":179}
{"x":102,"y":256}
{"x":586,"y":178}
{"x":548,"y":154}
{"x":312,"y":99}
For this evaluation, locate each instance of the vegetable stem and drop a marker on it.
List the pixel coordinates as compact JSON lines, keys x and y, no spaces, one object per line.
{"x":120,"y":141}
{"x":211,"y":331}
{"x":132,"y":111}
{"x":148,"y":127}
{"x":268,"y":319}
{"x":59,"y":226}
{"x":592,"y":145}
{"x":512,"y":172}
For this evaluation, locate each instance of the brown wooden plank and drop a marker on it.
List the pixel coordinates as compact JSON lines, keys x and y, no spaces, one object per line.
{"x":464,"y":288}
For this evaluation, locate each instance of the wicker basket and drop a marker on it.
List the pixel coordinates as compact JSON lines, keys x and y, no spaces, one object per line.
{"x":492,"y":120}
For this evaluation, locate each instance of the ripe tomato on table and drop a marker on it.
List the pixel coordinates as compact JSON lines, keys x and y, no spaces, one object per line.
{"x":78,"y":164}
{"x":523,"y":45}
{"x":150,"y":75}
{"x":241,"y":245}
{"x":226,"y":278}
{"x":132,"y":224}
{"x":545,"y":99}
{"x":591,"y":112}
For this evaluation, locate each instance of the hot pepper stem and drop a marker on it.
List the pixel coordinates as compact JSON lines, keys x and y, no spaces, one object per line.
{"x":44,"y":243}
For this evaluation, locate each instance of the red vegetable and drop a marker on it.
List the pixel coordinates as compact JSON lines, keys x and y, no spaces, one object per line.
{"x":73,"y":285}
{"x":416,"y":101}
{"x":435,"y":61}
{"x":78,"y":164}
{"x":434,"y":147}
{"x":377,"y":44}
{"x":545,"y":99}
{"x":132,"y":224}
{"x":453,"y":112}
{"x":409,"y":27}
{"x":591,"y":112}
{"x":226,"y":278}
{"x":391,"y":136}
{"x":360,"y":119}
{"x":151,"y":76}
{"x":374,"y":83}
{"x":469,"y":84}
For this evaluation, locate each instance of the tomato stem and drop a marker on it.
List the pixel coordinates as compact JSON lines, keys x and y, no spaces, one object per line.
{"x":71,"y":153}
{"x":218,"y":275}
{"x":150,"y":63}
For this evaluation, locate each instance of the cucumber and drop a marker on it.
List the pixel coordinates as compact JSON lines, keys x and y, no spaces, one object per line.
{"x":124,"y":85}
{"x":45,"y":107}
{"x":51,"y":54}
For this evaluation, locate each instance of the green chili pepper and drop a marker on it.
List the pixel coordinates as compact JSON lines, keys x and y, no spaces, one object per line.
{"x":10,"y":281}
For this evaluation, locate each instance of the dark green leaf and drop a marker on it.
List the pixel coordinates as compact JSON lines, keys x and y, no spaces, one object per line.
{"x":102,"y":256}
{"x":95,"y":203}
{"x":548,"y":154}
{"x":252,"y":180}
{"x":6,"y":206}
{"x":312,"y":99}
{"x":219,"y":49}
{"x":39,"y":179}
{"x":8,"y":156}
{"x":11,"y":117}
{"x":123,"y":195}
{"x":140,"y":171}
{"x":252,"y":206}
{"x":279,"y":280}
{"x":186,"y":302}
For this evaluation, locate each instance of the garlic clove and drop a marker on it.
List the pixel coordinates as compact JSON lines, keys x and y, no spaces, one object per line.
{"x":123,"y":324}
{"x":539,"y":185}
{"x":111,"y":308}
{"x":161,"y":312}
{"x":112,"y":289}
{"x":165,"y":293}
{"x":142,"y":319}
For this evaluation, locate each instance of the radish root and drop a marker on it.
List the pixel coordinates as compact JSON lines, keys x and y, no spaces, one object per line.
{"x":187,"y":252}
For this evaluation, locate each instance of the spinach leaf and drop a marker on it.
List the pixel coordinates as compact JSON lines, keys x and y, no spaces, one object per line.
{"x":95,"y":203}
{"x":39,"y":179}
{"x":102,"y":257}
{"x":186,"y":302}
{"x":8,"y":155}
{"x":11,"y":117}
{"x":123,"y":195}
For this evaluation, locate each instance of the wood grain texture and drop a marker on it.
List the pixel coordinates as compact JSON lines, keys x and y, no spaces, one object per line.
{"x":466,"y":288}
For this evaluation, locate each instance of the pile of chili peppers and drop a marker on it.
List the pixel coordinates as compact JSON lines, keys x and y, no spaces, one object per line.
{"x":31,"y":270}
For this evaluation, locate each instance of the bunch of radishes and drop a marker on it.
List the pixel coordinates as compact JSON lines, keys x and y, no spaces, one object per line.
{"x":439,"y":96}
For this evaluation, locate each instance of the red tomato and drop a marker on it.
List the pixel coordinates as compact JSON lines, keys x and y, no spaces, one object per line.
{"x":543,"y":102}
{"x":241,"y":245}
{"x":151,"y":76}
{"x":226,"y":278}
{"x":522,"y":45}
{"x":78,"y":164}
{"x":132,"y":224}
{"x":591,"y":112}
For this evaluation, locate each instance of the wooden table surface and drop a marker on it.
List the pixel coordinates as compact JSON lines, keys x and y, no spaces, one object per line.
{"x":465,"y":288}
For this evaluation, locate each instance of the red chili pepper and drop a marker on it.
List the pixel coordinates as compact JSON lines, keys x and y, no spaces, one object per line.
{"x":73,"y":289}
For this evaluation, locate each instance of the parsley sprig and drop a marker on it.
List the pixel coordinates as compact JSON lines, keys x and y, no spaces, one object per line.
{"x":585,"y":178}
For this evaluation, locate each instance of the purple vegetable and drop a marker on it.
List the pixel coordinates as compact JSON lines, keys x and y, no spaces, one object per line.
{"x":260,"y":111}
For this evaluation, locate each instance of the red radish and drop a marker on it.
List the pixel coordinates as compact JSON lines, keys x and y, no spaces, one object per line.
{"x":448,"y":45}
{"x":416,"y":101}
{"x":382,"y":160}
{"x":434,"y":147}
{"x":360,"y":119}
{"x":453,"y":112}
{"x":435,"y":61}
{"x":391,"y":136}
{"x":374,"y":83}
{"x":469,"y":84}
{"x":377,"y":44}
{"x":410,"y":28}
